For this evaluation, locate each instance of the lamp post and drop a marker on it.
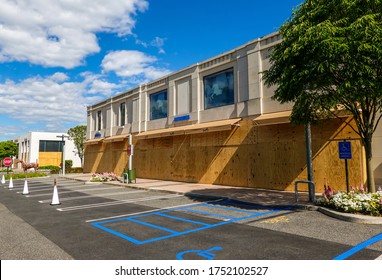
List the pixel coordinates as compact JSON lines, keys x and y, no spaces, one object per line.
{"x":309,"y":162}
{"x":63,"y":151}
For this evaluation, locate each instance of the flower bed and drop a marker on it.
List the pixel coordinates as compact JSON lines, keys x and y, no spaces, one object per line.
{"x":104,"y":177}
{"x":357,"y":201}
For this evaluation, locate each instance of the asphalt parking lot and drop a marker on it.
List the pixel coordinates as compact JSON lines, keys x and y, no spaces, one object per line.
{"x":108,"y":222}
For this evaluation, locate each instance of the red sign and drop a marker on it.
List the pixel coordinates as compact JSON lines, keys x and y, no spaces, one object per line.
{"x":7,"y":161}
{"x":130,"y":150}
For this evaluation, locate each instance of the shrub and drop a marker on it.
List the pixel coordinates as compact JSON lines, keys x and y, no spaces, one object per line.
{"x":23,"y":175}
{"x":5,"y":170}
{"x":357,"y":201}
{"x":49,"y":167}
{"x":104,"y":177}
{"x":74,"y":170}
{"x":68,"y":170}
{"x":68,"y":163}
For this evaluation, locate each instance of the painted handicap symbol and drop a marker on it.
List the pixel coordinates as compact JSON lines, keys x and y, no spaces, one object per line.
{"x":207,"y":254}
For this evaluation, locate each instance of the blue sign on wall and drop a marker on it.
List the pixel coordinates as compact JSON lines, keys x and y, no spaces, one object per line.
{"x":344,"y":150}
{"x":182,"y":118}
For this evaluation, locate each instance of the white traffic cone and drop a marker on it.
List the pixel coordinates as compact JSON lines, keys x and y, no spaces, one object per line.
{"x":55,"y":199}
{"x":25,"y":190}
{"x":3,"y":180}
{"x":10,"y":186}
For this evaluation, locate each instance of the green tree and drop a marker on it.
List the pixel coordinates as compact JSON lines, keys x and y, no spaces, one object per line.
{"x":8,"y":149}
{"x":330,"y":63}
{"x":78,"y":134}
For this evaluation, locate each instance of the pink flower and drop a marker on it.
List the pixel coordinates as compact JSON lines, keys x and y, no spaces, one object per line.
{"x":330,"y":191}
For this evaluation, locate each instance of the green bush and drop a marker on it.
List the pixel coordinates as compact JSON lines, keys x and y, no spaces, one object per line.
{"x":68,"y":170}
{"x":68,"y":163}
{"x":49,"y":167}
{"x":23,"y":175}
{"x":74,"y":170}
{"x":5,"y":170}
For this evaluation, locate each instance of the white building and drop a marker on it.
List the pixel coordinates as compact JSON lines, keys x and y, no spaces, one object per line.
{"x":46,"y":148}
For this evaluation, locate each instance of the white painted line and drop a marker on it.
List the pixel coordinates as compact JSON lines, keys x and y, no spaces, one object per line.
{"x":148,"y":211}
{"x":96,"y":205}
{"x":64,"y":191}
{"x":39,"y":186}
{"x":41,"y":189}
{"x":100,"y":195}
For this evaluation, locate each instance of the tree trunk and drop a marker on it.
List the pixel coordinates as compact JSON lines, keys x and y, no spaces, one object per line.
{"x":369,"y":165}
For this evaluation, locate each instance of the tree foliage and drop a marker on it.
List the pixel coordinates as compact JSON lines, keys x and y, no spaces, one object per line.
{"x":330,"y":63}
{"x":7,"y":149}
{"x":78,"y":134}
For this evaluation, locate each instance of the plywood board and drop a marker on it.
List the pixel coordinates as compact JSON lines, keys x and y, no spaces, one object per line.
{"x":270,"y":156}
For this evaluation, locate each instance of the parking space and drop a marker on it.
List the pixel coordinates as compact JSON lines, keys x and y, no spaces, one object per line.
{"x":176,"y":222}
{"x":100,"y":221}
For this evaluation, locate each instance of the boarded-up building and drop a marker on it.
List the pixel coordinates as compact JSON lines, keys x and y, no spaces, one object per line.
{"x":215,"y":122}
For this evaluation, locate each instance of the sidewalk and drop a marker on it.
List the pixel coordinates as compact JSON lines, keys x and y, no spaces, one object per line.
{"x":263,"y":197}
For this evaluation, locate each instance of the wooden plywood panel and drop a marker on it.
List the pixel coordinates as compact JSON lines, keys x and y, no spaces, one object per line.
{"x":93,"y":158}
{"x":254,"y":156}
{"x":49,"y":158}
{"x":119,"y":157}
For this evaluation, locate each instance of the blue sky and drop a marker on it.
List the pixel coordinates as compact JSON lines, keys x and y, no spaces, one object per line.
{"x":58,"y":56}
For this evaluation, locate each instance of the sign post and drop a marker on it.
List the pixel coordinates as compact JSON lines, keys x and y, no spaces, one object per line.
{"x":344,"y":152}
{"x":7,"y":162}
{"x":63,"y":152}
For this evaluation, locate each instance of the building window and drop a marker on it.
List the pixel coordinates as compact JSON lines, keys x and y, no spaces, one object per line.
{"x":50,"y":146}
{"x":99,"y":120}
{"x":158,"y":105}
{"x":219,"y":89}
{"x":122,"y":114}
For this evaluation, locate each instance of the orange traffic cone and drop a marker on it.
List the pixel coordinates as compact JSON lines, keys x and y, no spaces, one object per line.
{"x":55,"y":199}
{"x":25,"y":190}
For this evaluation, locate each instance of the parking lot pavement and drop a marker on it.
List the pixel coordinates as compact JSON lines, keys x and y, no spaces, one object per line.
{"x":102,"y":221}
{"x":21,"y":241}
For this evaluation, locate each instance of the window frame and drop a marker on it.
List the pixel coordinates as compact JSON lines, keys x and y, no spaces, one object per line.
{"x":151,"y":96}
{"x":208,"y":105}
{"x":43,"y":146}
{"x":99,"y":120}
{"x":122,"y":114}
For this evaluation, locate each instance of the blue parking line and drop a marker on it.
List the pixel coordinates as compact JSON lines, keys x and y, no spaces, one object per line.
{"x":225,"y":208}
{"x":164,"y":213}
{"x":207,"y":213}
{"x":133,"y":219}
{"x":121,"y":235}
{"x":359,"y":247}
{"x":182,"y":219}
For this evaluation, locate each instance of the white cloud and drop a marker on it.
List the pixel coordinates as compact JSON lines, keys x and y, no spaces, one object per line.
{"x":103,"y":87}
{"x":53,"y":100}
{"x":61,"y":32}
{"x":157,"y":42}
{"x":133,"y":64}
{"x":9,"y":132}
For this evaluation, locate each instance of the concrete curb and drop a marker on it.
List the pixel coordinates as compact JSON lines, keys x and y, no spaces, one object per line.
{"x":353,"y":218}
